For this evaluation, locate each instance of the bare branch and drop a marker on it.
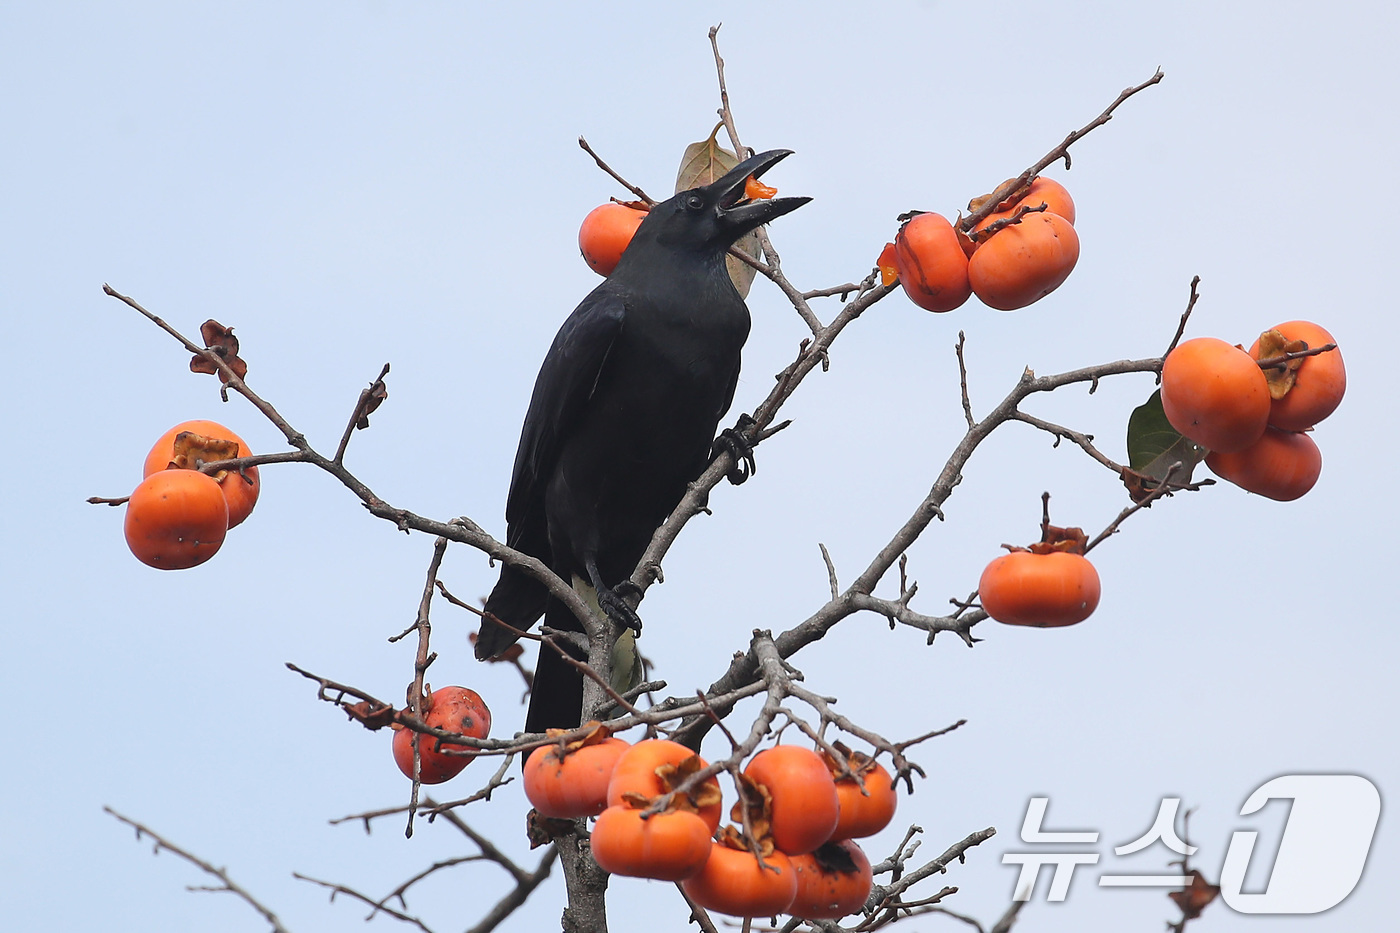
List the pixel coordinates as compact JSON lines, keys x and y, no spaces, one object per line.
{"x":1054,"y":155}
{"x":641,"y":195}
{"x":225,"y":882}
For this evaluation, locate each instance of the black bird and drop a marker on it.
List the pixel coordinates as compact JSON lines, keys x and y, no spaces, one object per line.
{"x":623,"y":417}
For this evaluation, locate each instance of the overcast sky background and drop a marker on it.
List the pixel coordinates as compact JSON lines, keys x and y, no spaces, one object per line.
{"x":354,"y":183}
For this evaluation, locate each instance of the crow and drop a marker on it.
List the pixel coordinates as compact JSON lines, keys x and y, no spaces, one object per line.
{"x":623,"y":417}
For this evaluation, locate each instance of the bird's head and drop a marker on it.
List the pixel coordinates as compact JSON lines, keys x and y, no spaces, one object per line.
{"x":713,"y":217}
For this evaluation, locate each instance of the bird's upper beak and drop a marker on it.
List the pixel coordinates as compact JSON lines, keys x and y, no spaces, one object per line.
{"x":740,"y":215}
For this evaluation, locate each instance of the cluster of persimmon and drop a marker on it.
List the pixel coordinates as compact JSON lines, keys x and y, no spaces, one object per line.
{"x":802,"y":811}
{"x":1013,"y":257}
{"x":178,"y":516}
{"x":451,"y":709}
{"x":1048,"y":584}
{"x":1254,"y":409}
{"x":608,"y":228}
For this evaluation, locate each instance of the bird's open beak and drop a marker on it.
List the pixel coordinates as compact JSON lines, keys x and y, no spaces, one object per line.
{"x":741,"y":215}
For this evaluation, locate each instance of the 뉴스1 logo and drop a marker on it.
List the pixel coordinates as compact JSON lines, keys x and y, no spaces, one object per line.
{"x":1321,"y":854}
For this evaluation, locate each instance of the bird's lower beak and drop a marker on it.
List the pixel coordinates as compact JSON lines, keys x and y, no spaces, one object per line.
{"x":743,"y":215}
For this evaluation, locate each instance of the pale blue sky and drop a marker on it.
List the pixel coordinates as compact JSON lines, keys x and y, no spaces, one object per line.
{"x":354,"y":183}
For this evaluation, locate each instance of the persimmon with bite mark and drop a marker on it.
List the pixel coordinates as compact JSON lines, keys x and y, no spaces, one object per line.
{"x":605,"y":233}
{"x":833,"y":881}
{"x":176,"y":519}
{"x":1215,"y":394}
{"x":453,"y":709}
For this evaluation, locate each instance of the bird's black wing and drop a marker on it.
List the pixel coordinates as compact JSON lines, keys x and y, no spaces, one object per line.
{"x":566,"y":381}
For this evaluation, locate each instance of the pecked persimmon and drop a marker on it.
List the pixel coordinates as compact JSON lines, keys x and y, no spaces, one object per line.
{"x":1281,"y":465}
{"x":1214,"y":394}
{"x":806,"y":807}
{"x":453,"y":709}
{"x":733,"y":882}
{"x":605,"y":233}
{"x":1045,"y":590}
{"x":867,"y":804}
{"x":176,"y":519}
{"x":241,"y":491}
{"x":889,"y":269}
{"x":1023,"y":262}
{"x":669,"y":846}
{"x":931,"y":263}
{"x":572,"y":781}
{"x":832,"y":882}
{"x":1310,"y":388}
{"x":653,"y":767}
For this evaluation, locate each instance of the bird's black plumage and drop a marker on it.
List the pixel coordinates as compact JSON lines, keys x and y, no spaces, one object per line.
{"x":623,"y":416}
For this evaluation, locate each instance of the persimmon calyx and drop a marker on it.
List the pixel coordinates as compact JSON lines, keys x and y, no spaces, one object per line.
{"x":191,"y":450}
{"x":732,"y":837}
{"x":852,"y":767}
{"x":597,"y":734}
{"x":1006,"y":203}
{"x":1280,"y":376}
{"x":754,"y":808}
{"x":1066,"y":540}
{"x":672,"y":776}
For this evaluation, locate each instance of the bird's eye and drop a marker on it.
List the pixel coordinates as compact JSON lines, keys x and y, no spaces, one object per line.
{"x":695,"y":202}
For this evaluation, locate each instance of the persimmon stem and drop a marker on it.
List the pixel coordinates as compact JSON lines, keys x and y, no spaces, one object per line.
{"x":1281,"y":361}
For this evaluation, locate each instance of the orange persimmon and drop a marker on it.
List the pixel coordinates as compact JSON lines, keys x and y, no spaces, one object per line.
{"x":1281,"y":465}
{"x":605,"y":233}
{"x":241,"y":490}
{"x":176,"y":519}
{"x":931,"y":264}
{"x":1215,"y":394}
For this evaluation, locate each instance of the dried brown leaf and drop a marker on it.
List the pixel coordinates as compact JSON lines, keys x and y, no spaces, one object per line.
{"x":701,"y":164}
{"x":1193,"y":899}
{"x":221,"y":341}
{"x":370,"y":715}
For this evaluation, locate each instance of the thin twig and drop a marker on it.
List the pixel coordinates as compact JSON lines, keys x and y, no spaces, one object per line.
{"x":226,"y":883}
{"x":641,"y":195}
{"x":962,"y":379}
{"x":1054,"y":155}
{"x":1181,"y":326}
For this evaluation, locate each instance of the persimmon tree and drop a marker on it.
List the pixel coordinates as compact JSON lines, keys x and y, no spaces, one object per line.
{"x":905,"y":883}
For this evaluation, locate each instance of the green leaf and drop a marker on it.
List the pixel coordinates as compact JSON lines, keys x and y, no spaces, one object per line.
{"x":1154,"y":445}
